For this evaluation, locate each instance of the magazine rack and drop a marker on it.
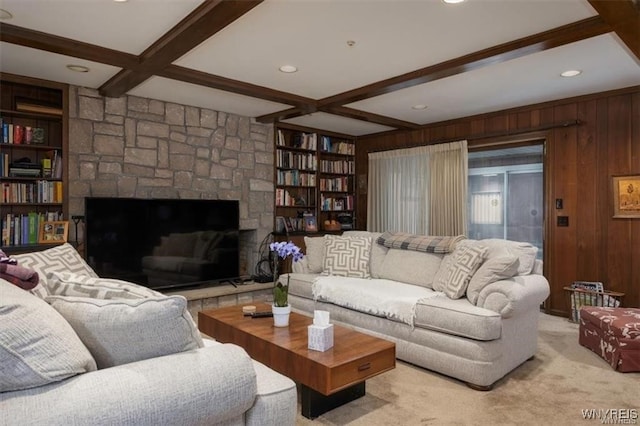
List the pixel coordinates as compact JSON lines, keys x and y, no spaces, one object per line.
{"x":579,"y":297}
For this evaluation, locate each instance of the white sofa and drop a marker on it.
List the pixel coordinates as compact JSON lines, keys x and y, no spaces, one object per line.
{"x":477,"y":333}
{"x":80,"y":350}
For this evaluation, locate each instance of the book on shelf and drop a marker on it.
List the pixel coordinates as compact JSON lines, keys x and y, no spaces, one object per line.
{"x":46,"y":167}
{"x":21,"y":229}
{"x":339,"y":147}
{"x":280,"y":224}
{"x":26,"y":105}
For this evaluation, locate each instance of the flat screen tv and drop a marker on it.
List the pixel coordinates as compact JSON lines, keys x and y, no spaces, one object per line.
{"x":163,"y":243}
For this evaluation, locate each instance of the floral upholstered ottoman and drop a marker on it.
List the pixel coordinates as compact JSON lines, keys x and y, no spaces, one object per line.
{"x":614,"y":334}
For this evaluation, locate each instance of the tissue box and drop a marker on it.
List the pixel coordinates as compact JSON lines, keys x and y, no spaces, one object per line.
{"x":320,"y":337}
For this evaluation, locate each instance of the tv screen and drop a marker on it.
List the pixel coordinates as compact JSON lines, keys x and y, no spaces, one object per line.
{"x":163,"y":243}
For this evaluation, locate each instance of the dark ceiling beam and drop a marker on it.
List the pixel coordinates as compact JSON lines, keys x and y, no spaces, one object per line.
{"x":556,"y":37}
{"x":282,"y":115}
{"x":206,"y":20}
{"x":624,"y":18}
{"x":560,"y":36}
{"x":65,"y":46}
{"x":371,"y":118}
{"x":188,"y":75}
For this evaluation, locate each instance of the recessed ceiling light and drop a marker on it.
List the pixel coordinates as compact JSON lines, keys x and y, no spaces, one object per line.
{"x":5,"y":15}
{"x":78,"y":68}
{"x":571,"y":73}
{"x":120,"y":1}
{"x":419,"y":106}
{"x":288,"y":68}
{"x":453,"y":1}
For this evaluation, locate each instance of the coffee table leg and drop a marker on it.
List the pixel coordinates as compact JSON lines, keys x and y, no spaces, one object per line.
{"x":315,"y":404}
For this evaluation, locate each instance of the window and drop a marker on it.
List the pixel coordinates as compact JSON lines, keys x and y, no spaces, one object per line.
{"x":506,"y":194}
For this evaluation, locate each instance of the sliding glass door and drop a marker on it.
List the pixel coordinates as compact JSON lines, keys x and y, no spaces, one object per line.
{"x":506,"y":188}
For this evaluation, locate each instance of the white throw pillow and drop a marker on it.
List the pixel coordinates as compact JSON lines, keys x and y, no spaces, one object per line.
{"x":37,"y":345}
{"x":62,"y":258}
{"x":492,"y":270}
{"x":525,"y":252}
{"x":347,"y":256}
{"x":119,"y":331}
{"x":411,"y":267}
{"x":314,"y":253}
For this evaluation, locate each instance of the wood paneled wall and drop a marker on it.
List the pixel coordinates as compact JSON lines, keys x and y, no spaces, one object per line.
{"x":579,"y":164}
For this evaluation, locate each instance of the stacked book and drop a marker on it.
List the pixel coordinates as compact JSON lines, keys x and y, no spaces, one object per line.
{"x":24,"y":169}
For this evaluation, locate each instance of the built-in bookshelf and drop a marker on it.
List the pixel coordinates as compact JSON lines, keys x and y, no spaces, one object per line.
{"x":33,"y":147}
{"x":315,"y":180}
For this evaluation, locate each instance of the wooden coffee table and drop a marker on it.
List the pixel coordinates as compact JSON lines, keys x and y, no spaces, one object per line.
{"x":327,"y":379}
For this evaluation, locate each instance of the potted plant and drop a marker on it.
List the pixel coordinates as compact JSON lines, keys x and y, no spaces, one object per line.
{"x":281,"y":308}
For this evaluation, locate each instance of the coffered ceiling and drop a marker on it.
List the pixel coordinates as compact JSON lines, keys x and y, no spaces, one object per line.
{"x":362,"y":65}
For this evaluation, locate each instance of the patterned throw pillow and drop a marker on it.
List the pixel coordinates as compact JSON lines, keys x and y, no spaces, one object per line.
{"x":68,"y":284}
{"x":463,"y":263}
{"x":62,"y":258}
{"x":347,"y":256}
{"x":119,"y":331}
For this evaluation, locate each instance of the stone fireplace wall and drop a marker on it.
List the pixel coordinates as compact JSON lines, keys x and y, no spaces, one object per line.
{"x":145,"y":148}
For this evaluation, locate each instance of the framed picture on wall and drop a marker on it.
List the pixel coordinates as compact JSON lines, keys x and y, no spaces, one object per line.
{"x":53,"y":232}
{"x":626,"y":196}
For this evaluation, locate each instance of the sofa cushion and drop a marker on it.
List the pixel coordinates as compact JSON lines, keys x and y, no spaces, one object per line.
{"x":69,"y":284}
{"x":411,"y":267}
{"x":62,"y":258}
{"x":492,"y":270}
{"x":347,"y":256}
{"x":119,"y":331}
{"x":301,"y":285}
{"x":314,"y":253}
{"x":37,"y":346}
{"x":525,"y":252}
{"x":458,"y":267}
{"x":458,"y":317}
{"x":378,"y":251}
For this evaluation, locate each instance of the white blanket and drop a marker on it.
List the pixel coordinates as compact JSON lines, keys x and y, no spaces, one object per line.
{"x":385,"y":298}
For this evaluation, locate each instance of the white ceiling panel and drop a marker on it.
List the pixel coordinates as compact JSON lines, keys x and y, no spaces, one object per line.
{"x":130,"y":26}
{"x":51,"y":66}
{"x":527,"y":80}
{"x":391,"y":38}
{"x":190,"y":94}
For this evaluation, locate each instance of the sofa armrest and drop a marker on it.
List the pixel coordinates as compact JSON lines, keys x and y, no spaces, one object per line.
{"x":276,"y":401}
{"x":209,"y":385}
{"x":514,"y":295}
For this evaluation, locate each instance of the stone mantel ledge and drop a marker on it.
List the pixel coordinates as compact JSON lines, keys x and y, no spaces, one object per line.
{"x":220,"y":290}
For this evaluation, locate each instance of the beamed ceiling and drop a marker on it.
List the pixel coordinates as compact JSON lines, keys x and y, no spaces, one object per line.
{"x":362,"y":64}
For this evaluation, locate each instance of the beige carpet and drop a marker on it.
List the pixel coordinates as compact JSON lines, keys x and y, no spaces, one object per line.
{"x":563,"y":379}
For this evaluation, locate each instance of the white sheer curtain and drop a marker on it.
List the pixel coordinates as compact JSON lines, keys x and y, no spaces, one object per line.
{"x":419,"y":190}
{"x":398,"y":191}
